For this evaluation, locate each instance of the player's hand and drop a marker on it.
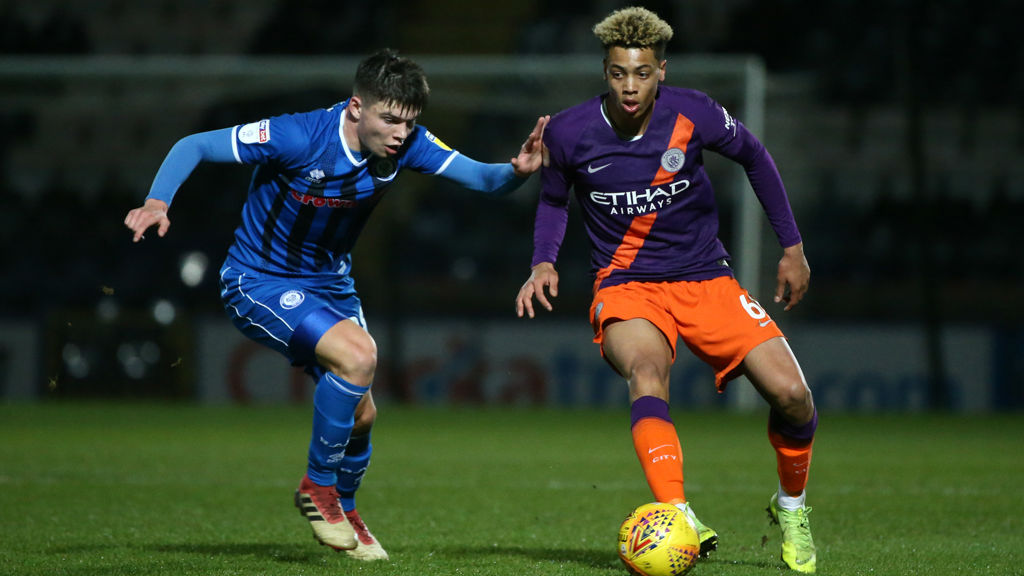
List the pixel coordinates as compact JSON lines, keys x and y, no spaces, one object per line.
{"x":543,"y":275}
{"x":529,"y":159}
{"x":152,"y":213}
{"x":794,"y":276}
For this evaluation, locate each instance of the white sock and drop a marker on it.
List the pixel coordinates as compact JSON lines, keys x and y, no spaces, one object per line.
{"x":787,"y":502}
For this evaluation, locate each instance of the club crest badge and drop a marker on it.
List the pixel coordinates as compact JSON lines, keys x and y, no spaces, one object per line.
{"x":672,"y":160}
{"x":292,"y":299}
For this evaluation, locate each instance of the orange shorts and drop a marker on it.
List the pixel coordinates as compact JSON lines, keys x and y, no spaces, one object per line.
{"x":717,"y":319}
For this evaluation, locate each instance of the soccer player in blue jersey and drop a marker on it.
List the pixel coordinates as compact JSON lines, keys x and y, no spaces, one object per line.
{"x":286,"y":281}
{"x":634,"y":159}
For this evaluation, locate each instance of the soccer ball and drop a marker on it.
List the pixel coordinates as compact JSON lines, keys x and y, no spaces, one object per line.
{"x":657,"y":539}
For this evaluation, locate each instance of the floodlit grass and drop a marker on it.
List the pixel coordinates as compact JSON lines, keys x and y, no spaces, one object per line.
{"x":137,"y":489}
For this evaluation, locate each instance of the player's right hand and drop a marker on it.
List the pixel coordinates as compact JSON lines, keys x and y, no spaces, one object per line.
{"x":152,"y":213}
{"x":543,"y":275}
{"x":793,"y":278}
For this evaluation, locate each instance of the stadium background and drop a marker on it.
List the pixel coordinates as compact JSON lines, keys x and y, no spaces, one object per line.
{"x":898,"y":128}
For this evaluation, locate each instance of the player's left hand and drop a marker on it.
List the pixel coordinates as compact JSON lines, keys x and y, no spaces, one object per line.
{"x":529,"y":159}
{"x":794,"y":274}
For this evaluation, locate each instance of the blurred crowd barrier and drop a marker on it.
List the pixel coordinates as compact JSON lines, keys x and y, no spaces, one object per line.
{"x":859,"y":367}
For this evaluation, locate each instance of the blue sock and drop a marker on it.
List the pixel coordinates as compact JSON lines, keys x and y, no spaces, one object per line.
{"x":334,"y":408}
{"x":353,"y":467}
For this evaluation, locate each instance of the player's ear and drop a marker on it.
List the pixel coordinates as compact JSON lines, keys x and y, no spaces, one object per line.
{"x":355,"y":107}
{"x":604,"y":68}
{"x":661,"y":70}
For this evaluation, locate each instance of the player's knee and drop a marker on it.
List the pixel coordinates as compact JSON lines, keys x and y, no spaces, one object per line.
{"x":354,"y":360}
{"x":359,"y":365}
{"x":648,"y":377}
{"x":794,"y":401}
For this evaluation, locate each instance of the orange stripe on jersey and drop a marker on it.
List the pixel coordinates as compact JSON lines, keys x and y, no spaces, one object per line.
{"x":631,"y":243}
{"x":681,"y":135}
{"x":641,"y":225}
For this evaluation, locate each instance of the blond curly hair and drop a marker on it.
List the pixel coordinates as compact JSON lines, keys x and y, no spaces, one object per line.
{"x":634,"y":27}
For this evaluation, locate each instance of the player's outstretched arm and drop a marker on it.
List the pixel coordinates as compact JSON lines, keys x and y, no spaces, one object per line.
{"x":542,"y":275}
{"x":152,"y":213}
{"x":794,"y":276}
{"x":499,"y":179}
{"x":529,"y":159}
{"x":184,"y":156}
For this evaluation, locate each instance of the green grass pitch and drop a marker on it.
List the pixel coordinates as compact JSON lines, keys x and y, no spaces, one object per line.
{"x":137,"y":489}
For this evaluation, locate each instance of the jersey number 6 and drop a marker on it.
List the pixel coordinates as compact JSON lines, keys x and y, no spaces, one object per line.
{"x":752,"y":307}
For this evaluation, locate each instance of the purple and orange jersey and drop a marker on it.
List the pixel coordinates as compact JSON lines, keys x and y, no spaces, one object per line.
{"x":648,"y":204}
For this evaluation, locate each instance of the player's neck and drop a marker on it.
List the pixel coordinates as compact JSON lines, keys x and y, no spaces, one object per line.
{"x":350,"y":132}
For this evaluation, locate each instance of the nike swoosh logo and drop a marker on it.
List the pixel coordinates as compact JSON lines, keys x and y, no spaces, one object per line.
{"x":659,"y":447}
{"x":765,"y":323}
{"x":591,"y":168}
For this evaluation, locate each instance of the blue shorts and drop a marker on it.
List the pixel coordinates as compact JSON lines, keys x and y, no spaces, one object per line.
{"x":287,"y":314}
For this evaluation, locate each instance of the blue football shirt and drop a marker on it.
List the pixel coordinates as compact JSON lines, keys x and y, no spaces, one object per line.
{"x":311,"y":195}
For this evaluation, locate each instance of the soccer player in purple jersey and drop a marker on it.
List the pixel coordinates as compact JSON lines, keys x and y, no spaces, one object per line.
{"x":286,"y":280}
{"x":634,"y":158}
